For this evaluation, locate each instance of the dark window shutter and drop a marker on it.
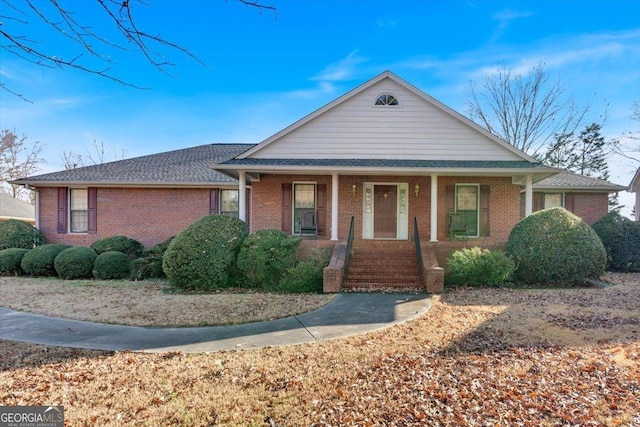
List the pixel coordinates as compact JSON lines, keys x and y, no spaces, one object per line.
{"x":213,"y":201}
{"x":62,"y":210}
{"x":538,"y":202}
{"x":450,"y":198}
{"x":484,"y":211}
{"x":286,"y":208}
{"x":568,"y":202}
{"x":321,"y":208}
{"x":92,"y":210}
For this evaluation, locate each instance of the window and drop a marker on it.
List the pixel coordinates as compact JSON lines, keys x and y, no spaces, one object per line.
{"x":304,"y":203}
{"x":79,"y":210}
{"x":467,"y":198}
{"x":229,"y":202}
{"x":552,"y":200}
{"x":386,"y":99}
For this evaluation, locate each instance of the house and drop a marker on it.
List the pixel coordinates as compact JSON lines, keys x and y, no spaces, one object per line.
{"x":586,"y":197}
{"x":384,"y":166}
{"x":634,"y":187}
{"x":12,"y":208}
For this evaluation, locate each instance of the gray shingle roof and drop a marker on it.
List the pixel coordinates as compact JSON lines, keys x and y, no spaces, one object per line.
{"x":570,"y":180}
{"x":185,"y":166}
{"x":14,"y":208}
{"x":385,"y":163}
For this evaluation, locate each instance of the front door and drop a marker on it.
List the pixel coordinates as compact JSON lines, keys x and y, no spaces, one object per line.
{"x":385,"y":204}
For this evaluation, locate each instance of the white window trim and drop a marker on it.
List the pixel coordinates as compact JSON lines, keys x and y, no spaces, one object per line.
{"x":373,"y":104}
{"x":561,"y":193}
{"x":69,"y":210}
{"x":463,"y":184}
{"x":293,"y":201}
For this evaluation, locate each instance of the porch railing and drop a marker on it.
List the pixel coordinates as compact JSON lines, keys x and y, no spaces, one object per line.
{"x":416,"y":239}
{"x":347,"y":257}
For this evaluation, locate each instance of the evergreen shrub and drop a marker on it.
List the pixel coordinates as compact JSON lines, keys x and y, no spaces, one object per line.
{"x":306,"y":276}
{"x":111,"y":265}
{"x":146,"y":268}
{"x":203,"y":256}
{"x":479,"y":267}
{"x":39,"y":261}
{"x":19,"y":234}
{"x":621,"y":239}
{"x":10,"y":260}
{"x":555,"y":247}
{"x":130,"y":247}
{"x":75,"y":263}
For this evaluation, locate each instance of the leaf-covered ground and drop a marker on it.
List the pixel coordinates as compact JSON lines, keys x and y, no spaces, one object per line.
{"x":488,"y":357}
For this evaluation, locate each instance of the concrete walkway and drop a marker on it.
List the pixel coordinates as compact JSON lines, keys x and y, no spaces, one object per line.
{"x":348,"y":314}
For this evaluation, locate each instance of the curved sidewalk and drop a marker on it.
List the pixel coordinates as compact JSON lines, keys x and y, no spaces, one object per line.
{"x":348,"y":314}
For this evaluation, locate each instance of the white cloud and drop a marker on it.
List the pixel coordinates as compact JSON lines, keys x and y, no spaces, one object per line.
{"x":341,"y":70}
{"x":504,"y":18}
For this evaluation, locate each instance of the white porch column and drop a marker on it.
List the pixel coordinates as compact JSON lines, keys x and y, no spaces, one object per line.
{"x":434,"y":208}
{"x":334,"y":206}
{"x":37,"y":209}
{"x":528,"y":196}
{"x":242,"y":195}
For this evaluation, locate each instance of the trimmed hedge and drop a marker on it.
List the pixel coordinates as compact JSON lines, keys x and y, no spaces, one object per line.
{"x":75,"y":263}
{"x":554,"y":246}
{"x":265,"y":256}
{"x":621,"y":239}
{"x":479,"y":267}
{"x":19,"y":234}
{"x":146,"y":268}
{"x":130,"y":247}
{"x":10,"y":260}
{"x":111,"y":265}
{"x":203,"y":256}
{"x":40,"y":261}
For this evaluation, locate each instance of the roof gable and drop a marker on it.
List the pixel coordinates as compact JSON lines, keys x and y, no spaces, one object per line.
{"x":352,"y":127}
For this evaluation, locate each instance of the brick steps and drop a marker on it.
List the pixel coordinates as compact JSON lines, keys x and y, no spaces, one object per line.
{"x":383,"y":265}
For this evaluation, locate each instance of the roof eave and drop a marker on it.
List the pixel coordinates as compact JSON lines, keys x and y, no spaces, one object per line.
{"x":131,"y":184}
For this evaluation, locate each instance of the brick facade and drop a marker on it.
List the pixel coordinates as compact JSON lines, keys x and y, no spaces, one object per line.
{"x":590,"y":206}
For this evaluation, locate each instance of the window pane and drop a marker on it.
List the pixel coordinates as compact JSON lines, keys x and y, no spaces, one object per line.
{"x":304,"y":196}
{"x":467,"y":198}
{"x":79,"y":216}
{"x":229,"y":202}
{"x":552,"y":201}
{"x":79,"y":198}
{"x":79,"y":221}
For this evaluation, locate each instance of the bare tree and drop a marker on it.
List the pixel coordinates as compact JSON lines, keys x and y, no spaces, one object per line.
{"x":628,"y":145}
{"x":527,"y":111}
{"x":96,"y":155}
{"x":18,"y":158}
{"x":17,"y":17}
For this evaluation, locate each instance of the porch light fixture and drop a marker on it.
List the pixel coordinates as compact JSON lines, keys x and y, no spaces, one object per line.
{"x":353,"y":189}
{"x":417,"y":189}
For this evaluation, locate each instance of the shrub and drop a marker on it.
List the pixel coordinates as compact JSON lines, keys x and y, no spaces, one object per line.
{"x":130,"y":247}
{"x":19,"y":234}
{"x":146,"y":268}
{"x":75,"y":263}
{"x":621,"y":239}
{"x":553,"y":246}
{"x":306,"y":275}
{"x":159,"y":249}
{"x":40,"y":261}
{"x":111,"y":265}
{"x":479,"y":267}
{"x":10,"y":261}
{"x":203,"y":256}
{"x":265,"y":256}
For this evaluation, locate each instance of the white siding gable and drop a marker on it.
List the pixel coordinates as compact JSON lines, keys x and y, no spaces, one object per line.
{"x":356,"y":129}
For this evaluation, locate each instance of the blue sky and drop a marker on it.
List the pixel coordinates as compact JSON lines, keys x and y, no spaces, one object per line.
{"x":264,"y":72}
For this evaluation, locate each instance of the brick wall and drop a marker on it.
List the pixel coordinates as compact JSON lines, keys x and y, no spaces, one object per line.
{"x":149,"y":215}
{"x":590,"y":206}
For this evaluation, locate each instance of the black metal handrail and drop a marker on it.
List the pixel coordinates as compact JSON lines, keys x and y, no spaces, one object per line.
{"x":347,"y":257}
{"x":416,"y":239}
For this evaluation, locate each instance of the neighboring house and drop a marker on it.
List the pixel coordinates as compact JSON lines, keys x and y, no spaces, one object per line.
{"x":11,"y":208}
{"x":386,"y":154}
{"x":634,"y":187}
{"x":586,"y":197}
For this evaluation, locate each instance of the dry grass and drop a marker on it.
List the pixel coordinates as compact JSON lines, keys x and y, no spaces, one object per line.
{"x":479,"y":357}
{"x":147,"y":303}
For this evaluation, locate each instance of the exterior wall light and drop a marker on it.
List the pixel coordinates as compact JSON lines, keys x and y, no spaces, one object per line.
{"x":417,"y":189}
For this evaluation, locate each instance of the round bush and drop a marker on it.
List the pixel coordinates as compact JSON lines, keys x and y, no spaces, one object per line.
{"x":159,"y":249}
{"x":40,"y":261}
{"x":306,"y":275}
{"x":146,"y":268}
{"x":75,"y":263}
{"x":621,"y":239}
{"x":553,"y":246}
{"x":10,"y":261}
{"x":111,"y":265}
{"x":19,"y":234}
{"x":203,"y":256}
{"x":479,"y":267}
{"x":265,"y":256}
{"x":130,"y":247}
